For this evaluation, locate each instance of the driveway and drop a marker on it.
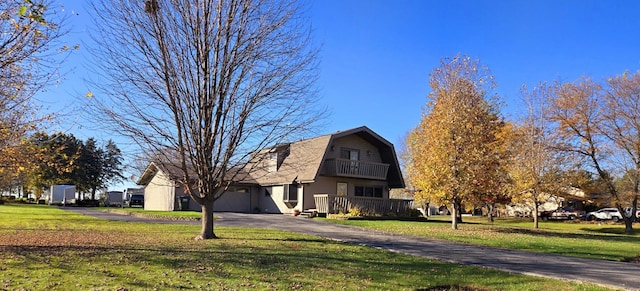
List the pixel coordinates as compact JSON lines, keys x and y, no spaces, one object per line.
{"x":607,"y":273}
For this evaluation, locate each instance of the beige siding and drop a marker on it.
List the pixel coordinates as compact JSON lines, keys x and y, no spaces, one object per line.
{"x":159,"y":194}
{"x":368,"y":152}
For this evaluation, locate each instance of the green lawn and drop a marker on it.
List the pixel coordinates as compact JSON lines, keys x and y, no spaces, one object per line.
{"x":181,"y":214}
{"x":43,"y":248}
{"x":594,"y":240}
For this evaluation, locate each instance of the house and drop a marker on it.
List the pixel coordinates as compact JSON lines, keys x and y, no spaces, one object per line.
{"x":162,"y":192}
{"x":334,"y":172}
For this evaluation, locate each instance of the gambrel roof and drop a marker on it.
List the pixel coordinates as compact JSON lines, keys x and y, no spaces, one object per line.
{"x":301,"y":161}
{"x":305,"y":158}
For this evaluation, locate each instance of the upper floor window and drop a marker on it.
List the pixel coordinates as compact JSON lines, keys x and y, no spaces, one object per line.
{"x":273,"y":162}
{"x":349,"y":154}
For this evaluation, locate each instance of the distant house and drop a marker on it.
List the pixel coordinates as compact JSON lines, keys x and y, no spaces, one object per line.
{"x":329,"y":173}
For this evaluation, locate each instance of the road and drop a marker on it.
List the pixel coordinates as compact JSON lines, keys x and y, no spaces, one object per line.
{"x":607,"y":273}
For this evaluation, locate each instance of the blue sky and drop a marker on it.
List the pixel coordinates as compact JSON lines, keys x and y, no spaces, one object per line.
{"x":376,"y":56}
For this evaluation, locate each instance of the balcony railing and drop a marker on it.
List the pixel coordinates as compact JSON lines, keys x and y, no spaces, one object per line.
{"x":356,"y":169}
{"x":333,"y":204}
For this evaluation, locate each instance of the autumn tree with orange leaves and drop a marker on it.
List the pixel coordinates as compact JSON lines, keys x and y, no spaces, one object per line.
{"x":600,"y":123}
{"x":453,"y":154}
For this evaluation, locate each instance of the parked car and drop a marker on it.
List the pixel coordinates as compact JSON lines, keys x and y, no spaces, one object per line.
{"x":562,"y":213}
{"x":136,"y":200}
{"x":605,"y":214}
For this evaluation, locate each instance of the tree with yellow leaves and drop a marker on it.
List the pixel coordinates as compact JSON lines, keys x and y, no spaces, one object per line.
{"x":29,"y":32}
{"x":535,"y":167}
{"x":454,"y":151}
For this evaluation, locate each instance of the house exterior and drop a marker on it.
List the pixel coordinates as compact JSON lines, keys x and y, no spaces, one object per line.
{"x":351,"y":166}
{"x":163,"y":193}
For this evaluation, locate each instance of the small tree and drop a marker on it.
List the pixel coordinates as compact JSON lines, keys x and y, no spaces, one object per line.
{"x":454,"y":143}
{"x":535,"y":166}
{"x":203,"y":84}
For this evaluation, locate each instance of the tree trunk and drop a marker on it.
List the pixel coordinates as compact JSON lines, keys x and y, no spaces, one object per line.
{"x":454,"y":217}
{"x":535,"y":216}
{"x":458,"y":206}
{"x":207,"y":221}
{"x":490,"y":209}
{"x":628,"y":223}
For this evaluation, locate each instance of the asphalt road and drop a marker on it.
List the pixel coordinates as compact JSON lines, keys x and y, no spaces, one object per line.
{"x":608,"y":273}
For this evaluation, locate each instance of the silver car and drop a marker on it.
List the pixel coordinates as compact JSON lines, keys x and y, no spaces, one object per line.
{"x":605,"y":214}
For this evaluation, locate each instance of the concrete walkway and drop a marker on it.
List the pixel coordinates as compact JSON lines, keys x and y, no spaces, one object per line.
{"x":607,"y":273}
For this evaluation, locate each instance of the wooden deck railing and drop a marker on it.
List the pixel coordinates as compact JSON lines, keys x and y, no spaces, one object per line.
{"x":357,"y":169}
{"x":333,"y":204}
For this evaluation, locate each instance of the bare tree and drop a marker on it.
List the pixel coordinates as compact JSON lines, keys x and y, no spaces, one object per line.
{"x":203,"y":84}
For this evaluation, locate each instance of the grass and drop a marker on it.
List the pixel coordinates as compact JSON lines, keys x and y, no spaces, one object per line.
{"x":183,"y":214}
{"x":605,"y":241}
{"x":43,"y":248}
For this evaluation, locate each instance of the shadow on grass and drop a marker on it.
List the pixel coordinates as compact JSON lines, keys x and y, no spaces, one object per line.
{"x":611,"y":230}
{"x":600,"y":234}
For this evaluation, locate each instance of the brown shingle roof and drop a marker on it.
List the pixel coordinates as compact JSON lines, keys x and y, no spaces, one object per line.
{"x":302,"y":161}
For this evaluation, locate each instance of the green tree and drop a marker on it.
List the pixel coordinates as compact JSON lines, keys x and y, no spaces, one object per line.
{"x":97,"y":167}
{"x":59,"y":154}
{"x":455,"y":147}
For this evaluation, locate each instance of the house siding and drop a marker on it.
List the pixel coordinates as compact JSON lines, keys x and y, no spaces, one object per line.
{"x":159,"y":194}
{"x":356,"y":143}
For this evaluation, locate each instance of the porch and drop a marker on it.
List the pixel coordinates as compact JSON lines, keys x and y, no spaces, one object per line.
{"x":333,"y":204}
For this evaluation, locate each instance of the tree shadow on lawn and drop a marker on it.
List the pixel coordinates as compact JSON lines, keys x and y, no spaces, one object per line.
{"x":605,"y":234}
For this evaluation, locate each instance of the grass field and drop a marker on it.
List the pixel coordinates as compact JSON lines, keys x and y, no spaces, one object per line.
{"x":594,"y":240}
{"x":44,"y":248}
{"x":178,"y":214}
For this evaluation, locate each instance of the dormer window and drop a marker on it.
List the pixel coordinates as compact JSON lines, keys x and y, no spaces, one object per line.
{"x":273,"y":162}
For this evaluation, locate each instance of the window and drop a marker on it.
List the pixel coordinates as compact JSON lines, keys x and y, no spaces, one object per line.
{"x":368,"y":191}
{"x":352,"y":155}
{"x":238,"y":189}
{"x":290,"y":192}
{"x":273,"y":162}
{"x":349,"y":154}
{"x":342,"y":189}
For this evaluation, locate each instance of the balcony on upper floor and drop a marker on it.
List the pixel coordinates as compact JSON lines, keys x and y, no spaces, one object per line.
{"x":356,"y":169}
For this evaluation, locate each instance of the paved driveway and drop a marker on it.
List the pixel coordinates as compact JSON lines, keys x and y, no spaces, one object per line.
{"x":608,"y":273}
